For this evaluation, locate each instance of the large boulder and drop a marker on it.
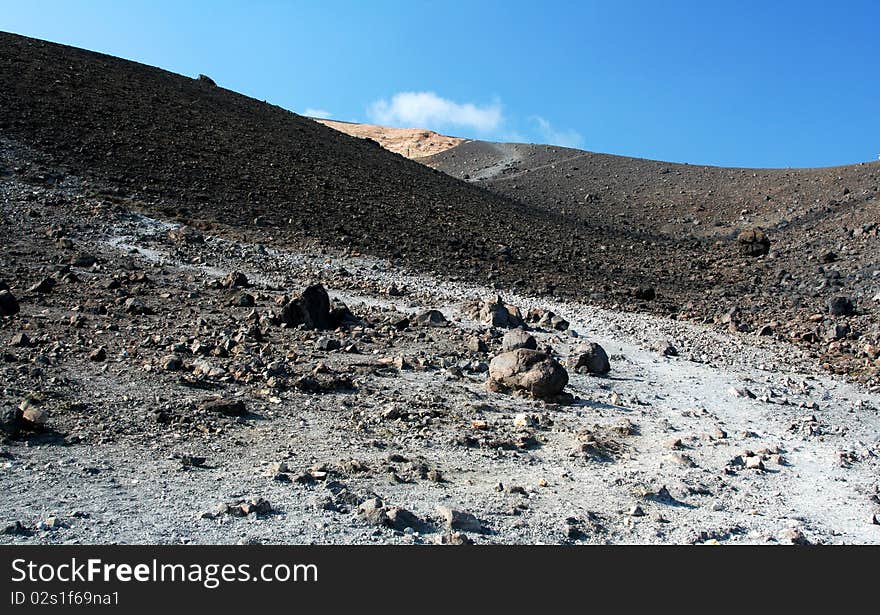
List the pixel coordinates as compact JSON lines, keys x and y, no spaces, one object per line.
{"x":528,"y":370}
{"x":311,"y":309}
{"x":591,"y":358}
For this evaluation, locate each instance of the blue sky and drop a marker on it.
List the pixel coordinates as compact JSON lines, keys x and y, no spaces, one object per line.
{"x":746,"y":83}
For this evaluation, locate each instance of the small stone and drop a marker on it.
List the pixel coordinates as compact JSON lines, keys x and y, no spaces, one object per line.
{"x":529,"y":370}
{"x":245,"y":300}
{"x":753,"y":242}
{"x":794,"y":536}
{"x":475,"y":344}
{"x":741,"y":392}
{"x":523,"y":420}
{"x":665,"y":348}
{"x":840,"y":306}
{"x":636,"y":511}
{"x":133,"y":305}
{"x":235,"y":279}
{"x":328,"y":344}
{"x":98,"y":355}
{"x":373,"y":512}
{"x":34,"y":417}
{"x":453,"y":538}
{"x":754,"y":463}
{"x":21,"y":340}
{"x":43,"y":286}
{"x":171,"y":363}
{"x":226,"y":407}
{"x":402,"y":519}
{"x":430,"y":318}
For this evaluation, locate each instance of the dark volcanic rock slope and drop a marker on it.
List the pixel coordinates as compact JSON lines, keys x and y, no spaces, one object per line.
{"x":153,"y":137}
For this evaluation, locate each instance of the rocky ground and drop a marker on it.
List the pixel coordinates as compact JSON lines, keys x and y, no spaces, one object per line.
{"x":165,"y":384}
{"x":765,"y":251}
{"x":786,"y":254}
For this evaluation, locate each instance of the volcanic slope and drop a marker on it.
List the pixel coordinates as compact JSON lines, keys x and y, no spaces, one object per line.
{"x":184,"y":148}
{"x":822,"y":225}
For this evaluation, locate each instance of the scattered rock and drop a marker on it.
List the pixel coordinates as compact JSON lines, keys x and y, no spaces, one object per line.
{"x":133,"y":305}
{"x":459,"y":520}
{"x":645,"y":294}
{"x":17,"y":529}
{"x":328,"y":344}
{"x":529,"y":370}
{"x":235,"y":279}
{"x":43,"y":286}
{"x":496,"y":313}
{"x":753,"y":242}
{"x":98,"y":355}
{"x":226,"y":407}
{"x":665,"y":348}
{"x":590,"y":358}
{"x":453,"y":538}
{"x":311,"y":309}
{"x":245,"y":300}
{"x":430,"y":318}
{"x":518,"y":338}
{"x":8,"y":304}
{"x":840,"y":306}
{"x":475,"y":344}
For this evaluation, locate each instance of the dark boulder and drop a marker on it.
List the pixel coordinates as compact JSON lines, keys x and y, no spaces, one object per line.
{"x":8,"y":304}
{"x":311,"y":309}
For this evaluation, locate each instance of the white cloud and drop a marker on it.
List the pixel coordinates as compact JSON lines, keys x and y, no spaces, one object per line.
{"x":552,"y":136}
{"x":427,"y":110}
{"x":318,"y":113}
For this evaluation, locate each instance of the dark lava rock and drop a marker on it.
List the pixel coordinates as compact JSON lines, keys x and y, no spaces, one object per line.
{"x":245,"y":300}
{"x":43,"y":286}
{"x":328,"y":343}
{"x":645,"y":294}
{"x":311,"y":309}
{"x":17,"y":529}
{"x":10,"y":421}
{"x":323,"y":383}
{"x":840,"y":306}
{"x":235,"y":279}
{"x":21,"y":340}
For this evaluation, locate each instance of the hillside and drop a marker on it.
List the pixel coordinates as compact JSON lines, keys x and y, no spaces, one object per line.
{"x":822,"y":225}
{"x":618,"y":232}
